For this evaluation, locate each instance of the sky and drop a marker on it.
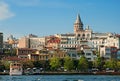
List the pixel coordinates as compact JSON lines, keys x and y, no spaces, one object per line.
{"x":48,"y":17}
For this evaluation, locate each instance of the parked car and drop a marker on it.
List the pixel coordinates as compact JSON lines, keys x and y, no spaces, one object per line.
{"x":110,"y":70}
{"x":95,"y":70}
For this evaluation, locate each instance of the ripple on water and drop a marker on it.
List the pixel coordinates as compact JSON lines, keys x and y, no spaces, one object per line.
{"x":59,"y":78}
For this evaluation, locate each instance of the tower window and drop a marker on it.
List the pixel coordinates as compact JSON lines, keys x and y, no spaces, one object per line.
{"x":83,"y":35}
{"x":78,"y":35}
{"x":88,"y":35}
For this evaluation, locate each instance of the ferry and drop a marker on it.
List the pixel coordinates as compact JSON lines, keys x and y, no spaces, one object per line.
{"x":16,"y":69}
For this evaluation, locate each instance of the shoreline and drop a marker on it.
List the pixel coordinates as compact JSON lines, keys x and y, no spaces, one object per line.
{"x":78,"y":73}
{"x":69,"y":73}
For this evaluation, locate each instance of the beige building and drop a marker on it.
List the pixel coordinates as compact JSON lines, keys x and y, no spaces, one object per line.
{"x":25,"y":51}
{"x":37,"y":43}
{"x":32,"y":42}
{"x":30,"y":54}
{"x":24,"y":42}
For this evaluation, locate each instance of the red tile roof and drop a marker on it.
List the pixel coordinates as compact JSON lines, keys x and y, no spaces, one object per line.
{"x":13,"y":58}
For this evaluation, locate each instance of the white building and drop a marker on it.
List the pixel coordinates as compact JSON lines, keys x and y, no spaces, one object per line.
{"x":113,"y":40}
{"x":90,"y":55}
{"x":87,"y":52}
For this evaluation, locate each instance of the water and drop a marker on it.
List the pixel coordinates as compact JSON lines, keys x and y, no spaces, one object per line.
{"x":60,"y":78}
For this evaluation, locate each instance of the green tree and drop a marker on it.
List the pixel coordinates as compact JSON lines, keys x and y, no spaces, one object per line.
{"x":27,"y":64}
{"x":111,"y":64}
{"x":118,"y":65}
{"x":68,"y":64}
{"x":75,"y":63}
{"x":9,"y":52}
{"x":80,"y":52}
{"x":90,"y":64}
{"x":62,"y":62}
{"x":13,"y":52}
{"x":6,"y":64}
{"x":43,"y":64}
{"x":2,"y":67}
{"x":99,"y":63}
{"x":83,"y":64}
{"x":37,"y":64}
{"x":55,"y":63}
{"x":47,"y":65}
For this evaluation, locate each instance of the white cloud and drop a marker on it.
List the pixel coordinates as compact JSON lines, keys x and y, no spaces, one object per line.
{"x":5,"y":13}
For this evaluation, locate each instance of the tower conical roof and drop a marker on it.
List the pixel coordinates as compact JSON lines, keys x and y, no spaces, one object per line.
{"x":78,"y":20}
{"x":78,"y":23}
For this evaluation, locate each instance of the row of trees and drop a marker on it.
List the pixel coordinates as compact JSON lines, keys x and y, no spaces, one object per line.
{"x":54,"y":64}
{"x":84,"y":65}
{"x":57,"y":64}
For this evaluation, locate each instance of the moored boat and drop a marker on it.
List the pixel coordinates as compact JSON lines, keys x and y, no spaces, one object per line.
{"x":16,"y":69}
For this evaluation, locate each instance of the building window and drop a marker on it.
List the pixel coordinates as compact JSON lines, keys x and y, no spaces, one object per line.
{"x":88,"y":54}
{"x":107,"y":53}
{"x":46,"y":58}
{"x":113,"y":44}
{"x":94,"y":58}
{"x":88,"y":58}
{"x":40,"y":57}
{"x":107,"y":49}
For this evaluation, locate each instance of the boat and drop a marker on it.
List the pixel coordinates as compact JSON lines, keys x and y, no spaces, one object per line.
{"x":16,"y":69}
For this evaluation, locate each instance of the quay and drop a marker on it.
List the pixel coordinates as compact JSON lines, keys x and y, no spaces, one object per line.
{"x":69,"y":73}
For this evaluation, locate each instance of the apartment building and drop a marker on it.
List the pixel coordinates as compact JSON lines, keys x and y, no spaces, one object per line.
{"x":32,"y":42}
{"x":37,"y":43}
{"x":24,"y":42}
{"x":52,"y":42}
{"x":108,"y":52}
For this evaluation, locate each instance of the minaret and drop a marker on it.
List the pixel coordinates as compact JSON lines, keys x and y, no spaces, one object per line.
{"x":78,"y":25}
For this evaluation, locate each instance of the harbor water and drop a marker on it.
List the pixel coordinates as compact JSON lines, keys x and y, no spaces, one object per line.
{"x":60,"y":78}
